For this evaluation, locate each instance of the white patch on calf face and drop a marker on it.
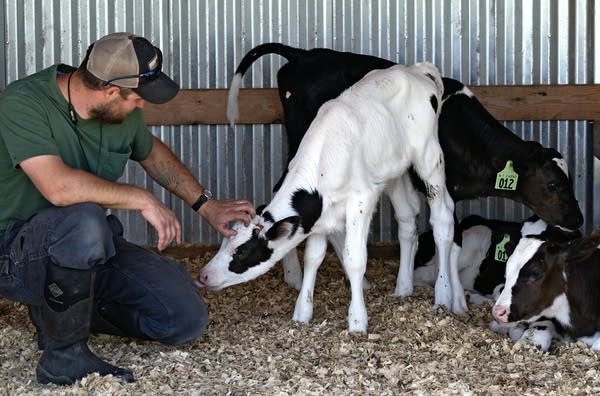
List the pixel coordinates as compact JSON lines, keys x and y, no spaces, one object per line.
{"x":562,"y":164}
{"x":559,"y":310}
{"x":524,"y":251}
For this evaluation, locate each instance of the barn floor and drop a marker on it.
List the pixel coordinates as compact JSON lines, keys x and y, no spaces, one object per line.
{"x":253,"y":347}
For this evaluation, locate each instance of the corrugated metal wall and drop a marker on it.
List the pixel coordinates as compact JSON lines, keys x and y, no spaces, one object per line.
{"x":476,"y":41}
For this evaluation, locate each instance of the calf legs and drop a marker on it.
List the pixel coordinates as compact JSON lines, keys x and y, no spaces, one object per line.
{"x":406,"y":203}
{"x":292,"y":274}
{"x":359,"y":211}
{"x":448,"y":289}
{"x":314,"y":253}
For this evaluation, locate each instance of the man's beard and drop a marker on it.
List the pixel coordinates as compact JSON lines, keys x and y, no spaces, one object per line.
{"x":107,"y":114}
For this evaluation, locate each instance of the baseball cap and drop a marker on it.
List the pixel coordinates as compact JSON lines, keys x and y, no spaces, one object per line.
{"x":130,"y":61}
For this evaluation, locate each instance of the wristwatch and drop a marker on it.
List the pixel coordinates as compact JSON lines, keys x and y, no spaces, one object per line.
{"x":205,"y":196}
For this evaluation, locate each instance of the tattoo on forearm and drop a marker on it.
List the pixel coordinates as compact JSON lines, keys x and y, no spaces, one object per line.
{"x":164,"y":175}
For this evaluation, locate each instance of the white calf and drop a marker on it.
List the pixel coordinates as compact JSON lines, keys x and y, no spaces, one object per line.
{"x":358,"y":145}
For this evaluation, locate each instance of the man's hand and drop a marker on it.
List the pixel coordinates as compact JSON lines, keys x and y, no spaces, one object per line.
{"x":220,"y":212}
{"x":165,"y":222}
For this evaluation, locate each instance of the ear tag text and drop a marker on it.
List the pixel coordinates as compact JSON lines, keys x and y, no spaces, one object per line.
{"x":501,"y":254}
{"x":507,"y":178}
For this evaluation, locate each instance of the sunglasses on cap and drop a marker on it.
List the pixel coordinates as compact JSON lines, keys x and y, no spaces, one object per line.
{"x":149,"y":75}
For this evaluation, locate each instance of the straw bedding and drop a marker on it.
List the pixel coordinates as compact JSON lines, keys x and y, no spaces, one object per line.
{"x":253,"y":347}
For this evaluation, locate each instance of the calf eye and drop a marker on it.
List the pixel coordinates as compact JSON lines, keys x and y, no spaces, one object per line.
{"x":553,"y":186}
{"x":535,"y":276}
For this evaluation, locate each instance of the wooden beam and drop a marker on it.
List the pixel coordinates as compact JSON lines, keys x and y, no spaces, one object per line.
{"x":541,"y":102}
{"x":209,"y":106}
{"x":262,"y":106}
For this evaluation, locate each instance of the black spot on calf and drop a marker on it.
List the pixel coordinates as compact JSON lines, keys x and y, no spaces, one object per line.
{"x":309,"y":206}
{"x":250,"y":254}
{"x":268,"y":217}
{"x":434,"y":103}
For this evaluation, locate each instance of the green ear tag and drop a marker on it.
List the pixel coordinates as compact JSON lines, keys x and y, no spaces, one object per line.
{"x":501,"y":254}
{"x":507,"y":178}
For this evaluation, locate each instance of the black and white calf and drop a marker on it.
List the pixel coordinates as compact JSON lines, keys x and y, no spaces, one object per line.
{"x":475,"y":145}
{"x":487,"y":245}
{"x":359,"y":144}
{"x":477,"y":148}
{"x":556,"y":282}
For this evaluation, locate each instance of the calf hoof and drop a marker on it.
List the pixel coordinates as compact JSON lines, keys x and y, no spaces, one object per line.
{"x":403,"y":290}
{"x":357,"y":327}
{"x":357,"y":319}
{"x":302,"y":313}
{"x":540,"y":338}
{"x":515,"y":333}
{"x":292,"y":281}
{"x":459,"y":305}
{"x":498,"y":328}
{"x":443,"y":299}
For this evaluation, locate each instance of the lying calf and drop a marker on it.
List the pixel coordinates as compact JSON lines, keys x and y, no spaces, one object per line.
{"x":546,"y":280}
{"x":486,"y":246}
{"x":359,"y":144}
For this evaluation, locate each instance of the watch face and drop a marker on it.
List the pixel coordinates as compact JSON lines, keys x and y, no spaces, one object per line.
{"x":207,"y":193}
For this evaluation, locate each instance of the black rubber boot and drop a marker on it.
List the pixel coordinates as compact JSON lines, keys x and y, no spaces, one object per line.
{"x":98,"y":325}
{"x":65,"y":329}
{"x":117,"y":320}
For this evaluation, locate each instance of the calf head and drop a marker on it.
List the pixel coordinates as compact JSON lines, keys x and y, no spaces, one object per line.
{"x":537,"y":275}
{"x":545,"y":187}
{"x":257,"y":247}
{"x":251,"y":252}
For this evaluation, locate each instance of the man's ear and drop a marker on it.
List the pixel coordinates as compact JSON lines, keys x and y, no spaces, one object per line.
{"x":111,"y":91}
{"x":285,"y":228}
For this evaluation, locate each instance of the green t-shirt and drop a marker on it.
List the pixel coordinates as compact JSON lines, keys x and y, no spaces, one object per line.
{"x":34,"y":120}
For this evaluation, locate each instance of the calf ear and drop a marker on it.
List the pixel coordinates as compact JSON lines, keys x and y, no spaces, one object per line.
{"x":285,"y":228}
{"x":554,"y":254}
{"x":583,"y":248}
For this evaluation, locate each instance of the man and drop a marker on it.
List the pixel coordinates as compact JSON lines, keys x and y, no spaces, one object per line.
{"x":65,"y":137}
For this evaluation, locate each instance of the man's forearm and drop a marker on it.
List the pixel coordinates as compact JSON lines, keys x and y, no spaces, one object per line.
{"x":168,"y":171}
{"x":63,"y":186}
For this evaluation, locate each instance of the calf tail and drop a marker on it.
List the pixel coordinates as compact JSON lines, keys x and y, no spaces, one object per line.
{"x":286,"y":51}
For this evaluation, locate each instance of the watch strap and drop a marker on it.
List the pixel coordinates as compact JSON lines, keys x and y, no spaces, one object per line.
{"x":202,"y":199}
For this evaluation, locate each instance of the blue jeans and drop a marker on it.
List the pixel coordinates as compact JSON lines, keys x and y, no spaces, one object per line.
{"x":139,"y":291}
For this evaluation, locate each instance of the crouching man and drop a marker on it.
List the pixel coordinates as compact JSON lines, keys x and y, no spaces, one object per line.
{"x":65,"y":137}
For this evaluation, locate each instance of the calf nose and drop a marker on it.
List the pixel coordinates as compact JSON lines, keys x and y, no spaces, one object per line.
{"x":500,"y":313}
{"x":202,"y":279}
